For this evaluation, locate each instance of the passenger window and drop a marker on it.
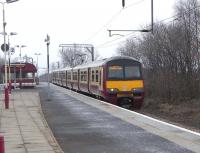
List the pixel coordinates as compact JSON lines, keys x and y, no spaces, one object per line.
{"x":97,"y":76}
{"x":81,"y":76}
{"x":75,"y":76}
{"x":92,"y":76}
{"x":85,"y":76}
{"x":69,"y":76}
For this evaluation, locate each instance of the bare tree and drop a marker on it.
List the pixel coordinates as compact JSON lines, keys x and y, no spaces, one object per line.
{"x":72,"y":56}
{"x":130,"y":48}
{"x":171,"y":55}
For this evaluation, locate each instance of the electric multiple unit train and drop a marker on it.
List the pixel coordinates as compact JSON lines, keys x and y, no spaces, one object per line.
{"x":117,"y":80}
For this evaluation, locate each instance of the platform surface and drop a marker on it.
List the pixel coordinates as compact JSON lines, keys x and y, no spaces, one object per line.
{"x":85,"y":125}
{"x":23,"y":125}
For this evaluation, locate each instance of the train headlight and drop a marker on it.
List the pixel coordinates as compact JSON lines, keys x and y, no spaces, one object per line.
{"x":138,"y":91}
{"x":112,"y":90}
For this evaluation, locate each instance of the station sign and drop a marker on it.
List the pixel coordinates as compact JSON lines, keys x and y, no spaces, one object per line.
{"x":3,"y":47}
{"x":17,"y":65}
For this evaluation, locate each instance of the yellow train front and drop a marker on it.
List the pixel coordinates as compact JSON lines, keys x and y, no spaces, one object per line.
{"x":123,"y":83}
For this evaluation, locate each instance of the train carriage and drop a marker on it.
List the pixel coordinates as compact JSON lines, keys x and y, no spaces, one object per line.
{"x":55,"y":76}
{"x":59,"y":77}
{"x":118,"y":80}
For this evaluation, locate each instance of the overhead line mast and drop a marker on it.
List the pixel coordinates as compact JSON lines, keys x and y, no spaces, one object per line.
{"x":123,"y":3}
{"x":143,"y":30}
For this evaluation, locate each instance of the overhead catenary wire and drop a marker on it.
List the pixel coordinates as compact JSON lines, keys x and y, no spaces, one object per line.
{"x":133,"y":4}
{"x":113,"y":18}
{"x":109,"y":21}
{"x":105,"y":44}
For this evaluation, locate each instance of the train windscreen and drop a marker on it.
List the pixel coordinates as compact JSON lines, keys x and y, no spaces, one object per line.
{"x":124,"y":72}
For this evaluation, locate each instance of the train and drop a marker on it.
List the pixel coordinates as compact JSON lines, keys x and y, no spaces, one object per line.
{"x":22,"y":75}
{"x":117,"y":80}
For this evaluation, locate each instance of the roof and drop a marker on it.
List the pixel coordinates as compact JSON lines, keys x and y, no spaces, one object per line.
{"x":61,"y":69}
{"x":103,"y":61}
{"x":95,"y":63}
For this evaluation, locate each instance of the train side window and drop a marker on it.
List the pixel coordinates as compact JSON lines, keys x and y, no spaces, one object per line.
{"x":82,"y":76}
{"x":69,"y":76}
{"x":61,"y":75}
{"x":97,"y":76}
{"x":75,"y":77}
{"x":85,"y":76}
{"x":92,"y":76}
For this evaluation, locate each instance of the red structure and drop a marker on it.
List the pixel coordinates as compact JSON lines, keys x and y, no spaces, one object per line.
{"x":22,"y":74}
{"x":2,"y":149}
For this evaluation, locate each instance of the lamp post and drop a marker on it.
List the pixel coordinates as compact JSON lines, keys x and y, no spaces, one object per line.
{"x":47,"y":40}
{"x":37,"y":54}
{"x":4,"y":32}
{"x":20,"y":56}
{"x":9,"y":75}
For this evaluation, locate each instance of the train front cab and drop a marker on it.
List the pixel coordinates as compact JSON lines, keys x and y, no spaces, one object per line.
{"x":124,"y":85}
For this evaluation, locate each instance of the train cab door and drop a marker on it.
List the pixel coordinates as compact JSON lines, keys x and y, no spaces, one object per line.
{"x":78,"y":79}
{"x":101,"y":79}
{"x":89,"y":80}
{"x":66,"y":79}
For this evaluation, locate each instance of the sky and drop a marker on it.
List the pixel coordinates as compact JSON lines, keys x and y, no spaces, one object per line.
{"x":76,"y":21}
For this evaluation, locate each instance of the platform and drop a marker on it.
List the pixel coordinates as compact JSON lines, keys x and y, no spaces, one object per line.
{"x":86,"y":125}
{"x":23,"y":125}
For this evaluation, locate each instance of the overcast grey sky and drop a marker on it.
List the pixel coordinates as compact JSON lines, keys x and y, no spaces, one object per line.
{"x":76,"y":21}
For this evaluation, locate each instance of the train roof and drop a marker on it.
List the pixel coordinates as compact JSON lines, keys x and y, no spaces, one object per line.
{"x":62,"y":69}
{"x":95,"y":63}
{"x":91,"y":64}
{"x":103,"y":61}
